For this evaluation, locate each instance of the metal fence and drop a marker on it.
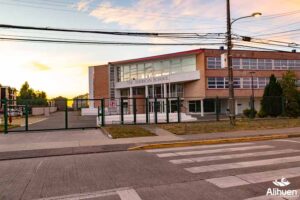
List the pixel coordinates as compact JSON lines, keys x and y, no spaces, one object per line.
{"x":62,"y":114}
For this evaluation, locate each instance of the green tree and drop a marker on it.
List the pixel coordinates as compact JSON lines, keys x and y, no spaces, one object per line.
{"x":271,"y":103}
{"x":28,"y":95}
{"x":290,"y":93}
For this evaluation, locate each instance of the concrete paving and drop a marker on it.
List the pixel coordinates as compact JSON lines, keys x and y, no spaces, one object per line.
{"x":67,"y":142}
{"x":143,"y":175}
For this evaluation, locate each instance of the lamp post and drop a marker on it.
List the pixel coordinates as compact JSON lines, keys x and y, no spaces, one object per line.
{"x":231,"y":100}
{"x":252,"y":96}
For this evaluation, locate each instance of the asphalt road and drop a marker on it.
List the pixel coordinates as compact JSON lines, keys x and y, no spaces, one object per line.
{"x":57,"y":121}
{"x":226,"y":172}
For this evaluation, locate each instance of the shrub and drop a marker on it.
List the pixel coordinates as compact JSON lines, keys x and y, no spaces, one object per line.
{"x":247,"y":112}
{"x":262,"y":114}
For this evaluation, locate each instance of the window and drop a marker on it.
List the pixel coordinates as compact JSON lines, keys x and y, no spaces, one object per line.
{"x":195,"y":106}
{"x":236,"y":63}
{"x":209,"y":105}
{"x":220,"y":82}
{"x":246,"y":82}
{"x":175,"y":66}
{"x":188,"y":64}
{"x":148,"y":70}
{"x":211,"y":82}
{"x":214,"y":62}
{"x":133,"y":72}
{"x":141,"y":71}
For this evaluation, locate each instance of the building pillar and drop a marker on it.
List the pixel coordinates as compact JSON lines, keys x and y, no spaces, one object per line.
{"x":146,"y":91}
{"x":165,"y":97}
{"x":91,"y":87}
{"x":202,"y":108}
{"x":236,"y":107}
{"x":130,"y":100}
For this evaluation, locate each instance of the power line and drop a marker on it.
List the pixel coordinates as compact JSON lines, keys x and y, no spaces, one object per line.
{"x":276,"y":33}
{"x":104,"y":42}
{"x":151,"y":34}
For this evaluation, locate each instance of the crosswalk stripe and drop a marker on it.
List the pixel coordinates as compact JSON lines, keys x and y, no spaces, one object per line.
{"x":186,"y":153}
{"x":253,"y":178}
{"x":238,"y":165}
{"x":264,"y":197}
{"x":232,"y":156}
{"x":197,"y":147}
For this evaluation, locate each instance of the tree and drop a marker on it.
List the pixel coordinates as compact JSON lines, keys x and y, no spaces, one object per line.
{"x":271,"y":103}
{"x":290,"y":93}
{"x":28,"y":95}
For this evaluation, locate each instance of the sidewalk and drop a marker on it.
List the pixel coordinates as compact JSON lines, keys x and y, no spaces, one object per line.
{"x":54,"y":143}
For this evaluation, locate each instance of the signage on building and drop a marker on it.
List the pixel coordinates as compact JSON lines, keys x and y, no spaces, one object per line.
{"x":112,"y":104}
{"x":224,"y":62}
{"x":152,"y":80}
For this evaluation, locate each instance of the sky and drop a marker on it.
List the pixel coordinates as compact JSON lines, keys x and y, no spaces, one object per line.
{"x":62,"y":70}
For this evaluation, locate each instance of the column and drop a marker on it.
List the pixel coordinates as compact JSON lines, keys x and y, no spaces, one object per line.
{"x":165,"y":96}
{"x":91,"y":87}
{"x":146,"y":91}
{"x":236,"y":107}
{"x":202,"y":108}
{"x":130,"y":100}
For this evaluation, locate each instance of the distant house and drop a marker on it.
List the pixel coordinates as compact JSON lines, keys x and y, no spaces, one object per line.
{"x":60,"y":103}
{"x":80,"y":101}
{"x":8,"y":93}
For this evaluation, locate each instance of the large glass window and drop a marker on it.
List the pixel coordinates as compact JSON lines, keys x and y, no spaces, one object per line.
{"x":148,"y":70}
{"x":156,"y":68}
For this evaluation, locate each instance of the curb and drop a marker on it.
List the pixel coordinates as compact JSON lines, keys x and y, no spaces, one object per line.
{"x":38,"y":153}
{"x":213,"y":141}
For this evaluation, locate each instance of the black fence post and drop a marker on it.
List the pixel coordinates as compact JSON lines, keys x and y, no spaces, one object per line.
{"x":5,"y":116}
{"x":103,"y":112}
{"x":122,"y":110}
{"x":167,"y":110}
{"x":217,"y":109}
{"x":155,"y":110}
{"x":26,"y":116}
{"x":147,"y":110}
{"x":134,"y":110}
{"x":178,"y":109}
{"x":66,"y":114}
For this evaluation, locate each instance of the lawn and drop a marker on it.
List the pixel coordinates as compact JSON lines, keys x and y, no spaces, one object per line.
{"x":223,"y":126}
{"x":126,"y":131}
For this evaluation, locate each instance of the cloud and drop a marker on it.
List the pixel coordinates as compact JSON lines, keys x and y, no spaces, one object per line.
{"x":83,"y":5}
{"x":39,"y":66}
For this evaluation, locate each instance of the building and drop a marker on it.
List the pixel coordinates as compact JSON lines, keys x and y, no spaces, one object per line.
{"x":9,"y":94}
{"x":196,"y":76}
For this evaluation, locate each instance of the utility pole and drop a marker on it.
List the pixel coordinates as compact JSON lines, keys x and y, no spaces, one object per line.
{"x":231,"y":101}
{"x":252,"y":96}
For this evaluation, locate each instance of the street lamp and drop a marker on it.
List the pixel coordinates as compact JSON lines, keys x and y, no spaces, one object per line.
{"x":252,"y":96}
{"x":231,"y":101}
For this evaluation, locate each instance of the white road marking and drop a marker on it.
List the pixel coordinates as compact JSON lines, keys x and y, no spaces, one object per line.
{"x":124,"y":194}
{"x":238,"y":165}
{"x":264,"y":197}
{"x":197,"y":147}
{"x":288,"y":141}
{"x":186,"y":153}
{"x":232,"y":156}
{"x":128,"y":195}
{"x":253,"y":178}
